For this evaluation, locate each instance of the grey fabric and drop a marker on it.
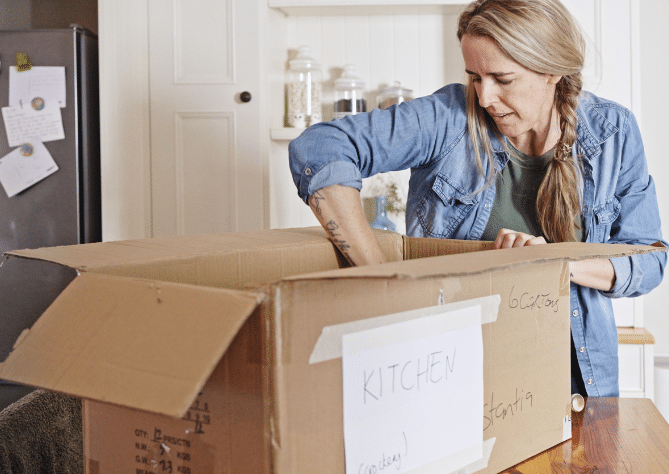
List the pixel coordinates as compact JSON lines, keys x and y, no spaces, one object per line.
{"x":41,"y":434}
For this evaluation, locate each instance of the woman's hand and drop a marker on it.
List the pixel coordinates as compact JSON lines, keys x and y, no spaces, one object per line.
{"x":596,"y":273}
{"x":507,"y":238}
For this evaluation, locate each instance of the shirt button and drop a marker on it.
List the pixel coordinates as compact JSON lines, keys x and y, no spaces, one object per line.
{"x":307,"y":171}
{"x":487,"y":205}
{"x":585,"y":210}
{"x":574,"y":313}
{"x":581,"y":349}
{"x":590,"y":381}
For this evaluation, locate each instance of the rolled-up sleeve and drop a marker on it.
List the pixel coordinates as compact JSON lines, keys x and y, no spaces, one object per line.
{"x":638,"y":222}
{"x":406,"y":135}
{"x":315,"y":165}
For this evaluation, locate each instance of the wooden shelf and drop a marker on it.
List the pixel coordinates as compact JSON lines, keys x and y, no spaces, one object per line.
{"x":635,"y":336}
{"x":365,"y":7}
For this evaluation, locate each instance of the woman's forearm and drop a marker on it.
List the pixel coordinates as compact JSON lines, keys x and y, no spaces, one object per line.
{"x":597,"y":273}
{"x":339,"y":210}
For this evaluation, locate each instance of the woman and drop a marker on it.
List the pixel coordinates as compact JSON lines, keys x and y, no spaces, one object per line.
{"x":521,"y":156}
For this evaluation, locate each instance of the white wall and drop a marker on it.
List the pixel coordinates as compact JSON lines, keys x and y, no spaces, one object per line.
{"x":654,"y":45}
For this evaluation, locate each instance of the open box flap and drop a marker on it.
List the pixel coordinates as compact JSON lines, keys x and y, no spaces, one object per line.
{"x":462,"y":259}
{"x":232,"y":260}
{"x":101,"y":255}
{"x":135,"y":343}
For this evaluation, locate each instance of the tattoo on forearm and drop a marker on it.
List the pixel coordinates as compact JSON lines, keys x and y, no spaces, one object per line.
{"x":331,"y":228}
{"x":315,"y":200}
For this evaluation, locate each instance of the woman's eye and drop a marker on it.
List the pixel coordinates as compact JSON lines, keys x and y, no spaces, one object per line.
{"x":504,"y":83}
{"x":476,"y":79}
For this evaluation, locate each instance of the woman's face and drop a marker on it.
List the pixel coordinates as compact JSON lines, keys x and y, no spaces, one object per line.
{"x":519,"y":100}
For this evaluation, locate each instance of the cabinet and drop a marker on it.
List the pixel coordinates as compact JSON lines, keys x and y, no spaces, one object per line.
{"x":636,"y":363}
{"x":636,"y":352}
{"x":412,"y":42}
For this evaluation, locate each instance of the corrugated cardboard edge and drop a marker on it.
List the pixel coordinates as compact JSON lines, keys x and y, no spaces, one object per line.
{"x":477,"y":262}
{"x":101,"y":256}
{"x":272,"y":372}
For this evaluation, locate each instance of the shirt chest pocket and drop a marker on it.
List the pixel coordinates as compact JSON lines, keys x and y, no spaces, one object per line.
{"x":444,"y":208}
{"x":605,"y":215}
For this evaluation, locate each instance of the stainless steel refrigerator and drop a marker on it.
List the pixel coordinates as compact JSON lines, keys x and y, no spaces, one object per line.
{"x":64,"y":208}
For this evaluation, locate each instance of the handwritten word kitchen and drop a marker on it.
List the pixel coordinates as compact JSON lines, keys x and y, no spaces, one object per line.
{"x":412,"y":375}
{"x":529,"y":301}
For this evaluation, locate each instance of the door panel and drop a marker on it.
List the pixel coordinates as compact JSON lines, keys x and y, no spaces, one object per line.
{"x":204,"y":38}
{"x":206,"y":171}
{"x":206,"y":166}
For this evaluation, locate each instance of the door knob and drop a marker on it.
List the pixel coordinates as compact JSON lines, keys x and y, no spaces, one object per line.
{"x":245,"y":96}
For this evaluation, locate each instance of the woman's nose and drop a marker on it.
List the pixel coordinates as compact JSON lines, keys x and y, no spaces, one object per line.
{"x":487,"y":93}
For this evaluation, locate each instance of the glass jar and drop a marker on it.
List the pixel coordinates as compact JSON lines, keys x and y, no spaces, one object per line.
{"x":393,"y":94}
{"x":381,"y":219}
{"x":304,"y":90}
{"x":349,"y":94}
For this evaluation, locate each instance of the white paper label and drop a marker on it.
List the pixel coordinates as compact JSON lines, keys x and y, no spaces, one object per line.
{"x":413,"y":393}
{"x":566,"y":428}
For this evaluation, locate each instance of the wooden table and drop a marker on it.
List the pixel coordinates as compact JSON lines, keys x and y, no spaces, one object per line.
{"x":611,"y":435}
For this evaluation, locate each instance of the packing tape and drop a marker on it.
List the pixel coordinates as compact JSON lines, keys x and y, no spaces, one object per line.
{"x":445,"y":465}
{"x":482,"y":463}
{"x":329,"y":344}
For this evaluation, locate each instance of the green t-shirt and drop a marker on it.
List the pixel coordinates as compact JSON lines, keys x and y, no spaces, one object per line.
{"x":516,"y":194}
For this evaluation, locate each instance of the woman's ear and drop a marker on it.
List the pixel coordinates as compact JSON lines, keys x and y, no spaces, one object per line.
{"x":553,"y":80}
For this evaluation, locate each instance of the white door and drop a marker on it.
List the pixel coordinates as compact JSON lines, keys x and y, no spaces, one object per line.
{"x":206,"y":165}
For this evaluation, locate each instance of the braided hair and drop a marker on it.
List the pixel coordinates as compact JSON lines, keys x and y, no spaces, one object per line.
{"x":542,"y":36}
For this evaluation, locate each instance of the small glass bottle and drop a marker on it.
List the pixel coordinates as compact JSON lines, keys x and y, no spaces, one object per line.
{"x":393,"y":94}
{"x":381,"y":219}
{"x":349,"y":94}
{"x":304,"y":90}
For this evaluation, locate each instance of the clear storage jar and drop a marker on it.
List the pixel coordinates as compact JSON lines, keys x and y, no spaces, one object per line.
{"x":304,"y":90}
{"x":349,"y":94}
{"x":393,"y":94}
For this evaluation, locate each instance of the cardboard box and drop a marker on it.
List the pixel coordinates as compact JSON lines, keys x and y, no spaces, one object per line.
{"x":226,"y":353}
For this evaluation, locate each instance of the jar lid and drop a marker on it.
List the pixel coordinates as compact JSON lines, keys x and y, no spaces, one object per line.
{"x":395,"y":90}
{"x":348,"y":80}
{"x":304,"y":60}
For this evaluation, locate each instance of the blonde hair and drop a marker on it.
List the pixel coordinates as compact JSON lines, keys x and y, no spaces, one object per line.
{"x":542,"y":36}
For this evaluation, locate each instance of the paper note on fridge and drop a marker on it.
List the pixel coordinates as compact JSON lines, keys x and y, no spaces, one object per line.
{"x":24,"y":124}
{"x":25,"y":166}
{"x":39,"y":85}
{"x":413,"y":393}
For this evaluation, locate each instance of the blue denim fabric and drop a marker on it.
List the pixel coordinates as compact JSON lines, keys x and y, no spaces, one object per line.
{"x":430,"y":136}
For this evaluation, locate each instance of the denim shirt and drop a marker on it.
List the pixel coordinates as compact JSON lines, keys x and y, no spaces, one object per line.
{"x":430,"y":136}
